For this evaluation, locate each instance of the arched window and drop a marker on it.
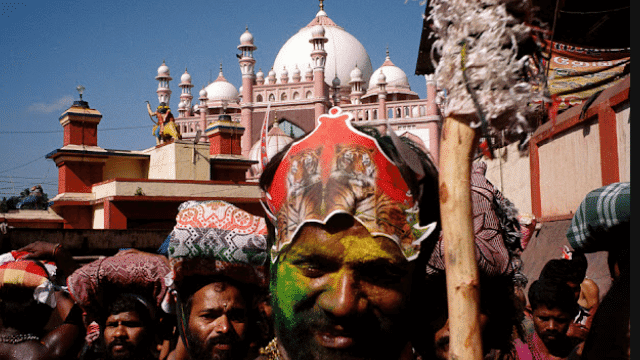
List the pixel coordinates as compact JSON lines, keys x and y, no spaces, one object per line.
{"x":390,"y":113}
{"x":290,"y":128}
{"x":259,"y":98}
{"x":296,"y":95}
{"x":309,"y":95}
{"x":375,"y":115}
{"x":283,"y":97}
{"x":272,"y":97}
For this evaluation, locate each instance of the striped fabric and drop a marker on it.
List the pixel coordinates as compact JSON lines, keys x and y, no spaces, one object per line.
{"x":601,"y":210}
{"x":23,"y":273}
{"x":495,"y":225}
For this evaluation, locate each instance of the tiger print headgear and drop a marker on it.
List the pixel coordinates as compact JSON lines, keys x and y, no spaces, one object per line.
{"x":337,"y":169}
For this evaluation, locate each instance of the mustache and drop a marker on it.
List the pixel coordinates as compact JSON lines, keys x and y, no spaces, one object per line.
{"x":125,"y":344}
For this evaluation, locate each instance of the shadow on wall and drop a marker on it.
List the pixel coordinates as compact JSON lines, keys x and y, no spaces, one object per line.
{"x":547,"y":244}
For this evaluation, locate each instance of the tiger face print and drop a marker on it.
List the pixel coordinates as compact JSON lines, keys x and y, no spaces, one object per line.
{"x":304,"y":171}
{"x":354,"y":167}
{"x":304,"y":188}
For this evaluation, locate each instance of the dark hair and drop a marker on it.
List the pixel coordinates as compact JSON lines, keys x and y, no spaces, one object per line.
{"x":19,"y":310}
{"x":579,"y":261}
{"x":562,"y":270}
{"x":127,"y":302}
{"x":554,"y":295}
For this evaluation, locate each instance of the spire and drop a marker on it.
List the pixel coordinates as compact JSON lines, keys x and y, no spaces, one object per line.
{"x":321,"y":5}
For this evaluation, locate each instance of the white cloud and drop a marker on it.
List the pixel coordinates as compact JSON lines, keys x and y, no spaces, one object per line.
{"x":61,"y":104}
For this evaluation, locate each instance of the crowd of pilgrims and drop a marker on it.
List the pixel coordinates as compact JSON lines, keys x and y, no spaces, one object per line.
{"x":227,"y":284}
{"x":551,"y":321}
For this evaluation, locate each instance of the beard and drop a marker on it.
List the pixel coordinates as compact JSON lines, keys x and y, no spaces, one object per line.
{"x":129,"y":351}
{"x":374,"y":336}
{"x":205,"y":350}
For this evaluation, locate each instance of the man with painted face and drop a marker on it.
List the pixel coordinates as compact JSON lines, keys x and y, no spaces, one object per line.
{"x":217,"y":252}
{"x":350,"y":211}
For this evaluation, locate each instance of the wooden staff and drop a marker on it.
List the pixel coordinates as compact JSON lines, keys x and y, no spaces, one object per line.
{"x":457,"y":148}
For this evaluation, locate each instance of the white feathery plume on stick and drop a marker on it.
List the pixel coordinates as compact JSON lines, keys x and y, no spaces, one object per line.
{"x":483,"y":73}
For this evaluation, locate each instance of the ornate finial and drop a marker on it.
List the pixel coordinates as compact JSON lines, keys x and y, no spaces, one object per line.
{"x":387,"y":50}
{"x":246,"y":27}
{"x":80,"y":89}
{"x":220,"y":66}
{"x":321,"y":5}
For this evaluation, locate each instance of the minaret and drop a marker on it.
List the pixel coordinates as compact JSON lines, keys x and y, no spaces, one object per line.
{"x":356,"y":85}
{"x":336,"y":90}
{"x":319,"y":58}
{"x":164,"y":93}
{"x":247,"y":65}
{"x":185,"y":96}
{"x":382,"y":96}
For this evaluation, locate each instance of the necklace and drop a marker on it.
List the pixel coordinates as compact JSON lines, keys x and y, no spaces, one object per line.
{"x":271,"y":350}
{"x":15,"y":339}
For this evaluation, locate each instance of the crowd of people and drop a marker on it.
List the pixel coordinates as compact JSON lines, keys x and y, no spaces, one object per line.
{"x":347,"y":264}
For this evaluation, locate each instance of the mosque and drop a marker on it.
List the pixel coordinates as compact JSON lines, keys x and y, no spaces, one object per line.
{"x":215,"y":156}
{"x":321,"y":66}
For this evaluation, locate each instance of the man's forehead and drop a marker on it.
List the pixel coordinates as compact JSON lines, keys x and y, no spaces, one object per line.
{"x":124,"y":315}
{"x":349,"y":246}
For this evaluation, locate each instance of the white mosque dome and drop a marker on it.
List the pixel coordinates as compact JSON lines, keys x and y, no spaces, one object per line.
{"x":185,"y":78}
{"x":356,"y":74}
{"x":395,"y":77}
{"x":276,"y":141}
{"x":246,"y":38}
{"x":344,"y":51}
{"x":221,"y":89}
{"x":163,"y":70}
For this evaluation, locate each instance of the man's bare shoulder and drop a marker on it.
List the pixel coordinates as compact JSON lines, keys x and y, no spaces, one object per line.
{"x":28,"y":350}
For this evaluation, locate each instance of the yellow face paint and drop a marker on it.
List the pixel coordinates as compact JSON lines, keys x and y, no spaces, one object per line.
{"x":361,"y":249}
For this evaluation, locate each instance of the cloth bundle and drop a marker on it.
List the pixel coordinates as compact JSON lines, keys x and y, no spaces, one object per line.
{"x":30,"y":274}
{"x":600,"y":213}
{"x":496,"y":228}
{"x":132,"y":272}
{"x":217,"y":238}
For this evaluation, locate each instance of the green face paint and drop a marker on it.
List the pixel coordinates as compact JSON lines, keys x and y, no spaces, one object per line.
{"x":289,"y":288}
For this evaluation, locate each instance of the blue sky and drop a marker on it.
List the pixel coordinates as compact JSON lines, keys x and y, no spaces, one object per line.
{"x":114,"y":48}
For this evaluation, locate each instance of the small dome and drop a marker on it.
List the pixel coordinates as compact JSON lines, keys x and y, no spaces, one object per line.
{"x":356,"y":74}
{"x":182,"y":106}
{"x":246,"y":38}
{"x":317,"y":31}
{"x":336,"y":81}
{"x":276,"y":141}
{"x":203,"y":93}
{"x":272,"y":74}
{"x":185,"y":78}
{"x":163,"y":69}
{"x":221,"y":89}
{"x":260,"y":74}
{"x":396,"y":77}
{"x":296,"y":71}
{"x":381,"y":78}
{"x":309,"y":69}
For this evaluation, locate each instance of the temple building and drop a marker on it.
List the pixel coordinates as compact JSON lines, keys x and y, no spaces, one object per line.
{"x":214,"y":153}
{"x":309,"y":75}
